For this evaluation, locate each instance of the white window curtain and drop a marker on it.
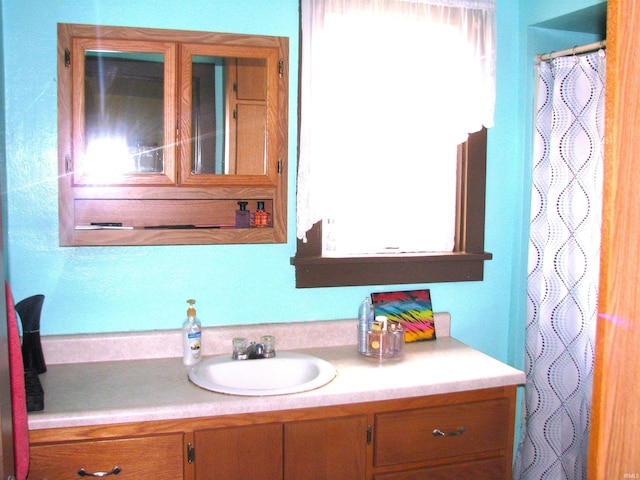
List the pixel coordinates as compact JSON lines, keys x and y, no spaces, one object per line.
{"x":389,"y":88}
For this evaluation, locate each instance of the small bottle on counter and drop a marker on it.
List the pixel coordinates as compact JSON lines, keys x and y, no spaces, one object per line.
{"x":385,"y":339}
{"x":365,"y":319}
{"x":243,"y":216}
{"x":191,"y":337}
{"x":397,"y":333}
{"x":261,"y":218}
{"x":377,"y":338}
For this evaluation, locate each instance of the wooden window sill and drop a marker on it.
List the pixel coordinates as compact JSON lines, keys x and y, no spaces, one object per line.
{"x":316,"y":271}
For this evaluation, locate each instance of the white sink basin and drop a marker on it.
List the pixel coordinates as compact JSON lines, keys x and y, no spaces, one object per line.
{"x":287,"y":372}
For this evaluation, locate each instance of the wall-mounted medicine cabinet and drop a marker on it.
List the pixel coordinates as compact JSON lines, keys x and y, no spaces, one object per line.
{"x":161,"y":133}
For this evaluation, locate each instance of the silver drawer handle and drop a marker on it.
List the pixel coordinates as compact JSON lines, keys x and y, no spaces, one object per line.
{"x":439,"y":433}
{"x":114,"y":471}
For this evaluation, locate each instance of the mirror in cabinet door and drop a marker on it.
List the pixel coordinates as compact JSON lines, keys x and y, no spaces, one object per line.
{"x":163,"y":132}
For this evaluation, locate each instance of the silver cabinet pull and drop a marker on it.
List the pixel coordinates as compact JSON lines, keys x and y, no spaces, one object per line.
{"x":439,"y":433}
{"x":114,"y":471}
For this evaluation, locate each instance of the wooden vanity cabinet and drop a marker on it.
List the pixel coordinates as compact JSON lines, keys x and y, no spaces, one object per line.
{"x":456,"y":435}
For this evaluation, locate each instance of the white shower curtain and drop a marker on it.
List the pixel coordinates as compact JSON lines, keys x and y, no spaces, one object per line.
{"x":564,"y":249}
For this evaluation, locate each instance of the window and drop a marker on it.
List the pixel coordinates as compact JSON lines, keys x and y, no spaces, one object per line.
{"x":372,"y":114}
{"x":464,"y":263}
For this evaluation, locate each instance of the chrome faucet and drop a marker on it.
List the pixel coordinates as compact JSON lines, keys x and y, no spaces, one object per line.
{"x":255,"y":351}
{"x":264,"y":349}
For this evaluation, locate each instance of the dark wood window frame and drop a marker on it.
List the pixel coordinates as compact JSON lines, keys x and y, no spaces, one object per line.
{"x":465,"y":263}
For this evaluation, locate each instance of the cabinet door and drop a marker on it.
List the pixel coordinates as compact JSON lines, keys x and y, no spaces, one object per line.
{"x":158,"y":457}
{"x":124,"y":112}
{"x":333,"y":448}
{"x":239,"y":453}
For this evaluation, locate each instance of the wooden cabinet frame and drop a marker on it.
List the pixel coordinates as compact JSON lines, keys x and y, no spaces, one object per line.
{"x":191,"y":209}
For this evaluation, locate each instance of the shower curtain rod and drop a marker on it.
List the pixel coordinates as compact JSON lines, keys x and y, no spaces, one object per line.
{"x":571,"y":51}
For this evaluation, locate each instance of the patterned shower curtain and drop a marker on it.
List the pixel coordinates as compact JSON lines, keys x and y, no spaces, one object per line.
{"x":564,"y":251}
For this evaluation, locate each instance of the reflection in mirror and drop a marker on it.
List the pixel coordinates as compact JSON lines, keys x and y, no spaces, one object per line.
{"x":124,"y":112}
{"x":247,"y":126}
{"x":229,"y":115}
{"x":208,"y":113}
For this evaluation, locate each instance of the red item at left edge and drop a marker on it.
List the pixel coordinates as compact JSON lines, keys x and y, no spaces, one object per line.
{"x":18,"y":394}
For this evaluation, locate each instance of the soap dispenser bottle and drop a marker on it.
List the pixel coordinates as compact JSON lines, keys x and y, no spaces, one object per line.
{"x":191,"y":336}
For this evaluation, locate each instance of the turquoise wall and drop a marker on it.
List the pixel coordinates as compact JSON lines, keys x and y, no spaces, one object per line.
{"x":101,"y":289}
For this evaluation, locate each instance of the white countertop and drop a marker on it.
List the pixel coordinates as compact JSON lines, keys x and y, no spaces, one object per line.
{"x":118,"y":391}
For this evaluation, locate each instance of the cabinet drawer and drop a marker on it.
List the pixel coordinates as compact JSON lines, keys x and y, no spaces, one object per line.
{"x":158,"y":457}
{"x":490,"y":469}
{"x":408,"y":436}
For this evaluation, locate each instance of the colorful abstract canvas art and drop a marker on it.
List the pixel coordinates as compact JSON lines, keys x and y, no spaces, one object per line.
{"x":412,"y":309}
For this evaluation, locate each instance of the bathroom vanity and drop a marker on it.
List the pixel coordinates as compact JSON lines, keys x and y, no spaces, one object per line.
{"x":445,"y":410}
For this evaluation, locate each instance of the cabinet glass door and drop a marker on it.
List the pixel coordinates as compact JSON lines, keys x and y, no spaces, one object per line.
{"x":124,"y":133}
